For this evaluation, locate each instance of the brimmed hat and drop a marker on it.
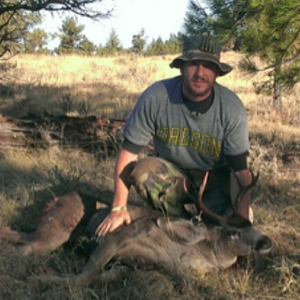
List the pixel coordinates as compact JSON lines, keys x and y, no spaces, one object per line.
{"x":201,"y":48}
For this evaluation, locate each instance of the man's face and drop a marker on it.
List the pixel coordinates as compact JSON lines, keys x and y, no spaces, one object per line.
{"x":198,"y":79}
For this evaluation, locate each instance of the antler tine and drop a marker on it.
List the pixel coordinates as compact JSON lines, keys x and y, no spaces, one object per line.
{"x":244,"y":189}
{"x":201,"y":190}
{"x":200,"y":200}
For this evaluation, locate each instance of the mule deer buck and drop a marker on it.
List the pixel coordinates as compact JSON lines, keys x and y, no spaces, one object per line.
{"x":173,"y":244}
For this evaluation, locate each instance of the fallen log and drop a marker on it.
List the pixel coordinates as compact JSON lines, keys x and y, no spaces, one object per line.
{"x":92,"y":133}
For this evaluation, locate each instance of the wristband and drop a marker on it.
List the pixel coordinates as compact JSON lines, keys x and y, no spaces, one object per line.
{"x":116,"y":208}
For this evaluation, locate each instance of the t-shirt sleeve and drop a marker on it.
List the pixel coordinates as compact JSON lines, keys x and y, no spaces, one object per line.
{"x":237,"y":133}
{"x":140,"y":126}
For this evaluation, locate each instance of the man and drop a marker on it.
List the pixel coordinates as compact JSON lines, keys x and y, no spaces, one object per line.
{"x":197,"y":125}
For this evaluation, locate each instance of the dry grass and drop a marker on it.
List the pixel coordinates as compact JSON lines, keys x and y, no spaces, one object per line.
{"x":110,"y":86}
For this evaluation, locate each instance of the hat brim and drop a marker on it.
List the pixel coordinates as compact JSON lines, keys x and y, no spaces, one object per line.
{"x":223,"y":67}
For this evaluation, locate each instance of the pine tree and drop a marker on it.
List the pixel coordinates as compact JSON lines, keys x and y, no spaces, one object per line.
{"x":174,"y":43}
{"x":265,"y":28}
{"x":138,"y":42}
{"x":113,"y":44}
{"x":221,"y":18}
{"x":273,"y":34}
{"x":196,"y":20}
{"x":13,"y":30}
{"x":84,"y":8}
{"x":70,"y":36}
{"x":156,"y":47}
{"x":18,"y":17}
{"x":36,"y":41}
{"x":86,"y":47}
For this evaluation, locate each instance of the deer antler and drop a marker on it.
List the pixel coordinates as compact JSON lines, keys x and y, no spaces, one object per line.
{"x":199,"y":201}
{"x":241,"y":193}
{"x":244,"y":189}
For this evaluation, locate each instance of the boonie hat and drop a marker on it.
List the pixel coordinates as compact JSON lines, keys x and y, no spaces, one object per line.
{"x":204,"y":48}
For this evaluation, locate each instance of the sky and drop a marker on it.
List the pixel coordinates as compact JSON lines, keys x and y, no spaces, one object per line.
{"x":159,"y":18}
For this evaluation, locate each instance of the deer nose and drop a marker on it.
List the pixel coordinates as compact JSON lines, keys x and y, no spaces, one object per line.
{"x":263,"y":245}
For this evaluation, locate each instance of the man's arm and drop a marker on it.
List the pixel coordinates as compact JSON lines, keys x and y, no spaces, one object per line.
{"x":138,"y":131}
{"x":238,"y":165}
{"x":119,"y":216}
{"x":245,"y":179}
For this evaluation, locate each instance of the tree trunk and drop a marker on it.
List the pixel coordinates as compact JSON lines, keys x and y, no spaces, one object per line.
{"x":277,"y":99}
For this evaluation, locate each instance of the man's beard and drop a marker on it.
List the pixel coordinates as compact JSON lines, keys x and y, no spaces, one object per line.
{"x":194,"y":92}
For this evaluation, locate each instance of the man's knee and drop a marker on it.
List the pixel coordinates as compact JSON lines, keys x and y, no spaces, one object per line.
{"x":146,"y":169}
{"x":159,"y":183}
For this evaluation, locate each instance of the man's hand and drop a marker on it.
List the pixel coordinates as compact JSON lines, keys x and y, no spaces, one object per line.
{"x":114,"y":220}
{"x":119,"y":214}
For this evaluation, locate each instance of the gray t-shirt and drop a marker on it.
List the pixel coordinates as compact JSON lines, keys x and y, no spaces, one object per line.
{"x":188,"y":140}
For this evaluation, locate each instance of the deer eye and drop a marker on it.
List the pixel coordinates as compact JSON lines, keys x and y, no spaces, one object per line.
{"x":233,"y":234}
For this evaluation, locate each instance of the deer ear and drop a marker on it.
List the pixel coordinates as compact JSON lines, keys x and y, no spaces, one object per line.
{"x":182,"y":231}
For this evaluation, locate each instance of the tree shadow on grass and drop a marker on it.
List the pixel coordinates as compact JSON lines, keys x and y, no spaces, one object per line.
{"x":88,"y":99}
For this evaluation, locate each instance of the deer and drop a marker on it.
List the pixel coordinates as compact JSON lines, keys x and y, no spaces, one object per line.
{"x":156,"y":240}
{"x":63,"y":219}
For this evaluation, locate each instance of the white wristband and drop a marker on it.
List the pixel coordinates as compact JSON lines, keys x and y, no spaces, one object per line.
{"x":116,"y":208}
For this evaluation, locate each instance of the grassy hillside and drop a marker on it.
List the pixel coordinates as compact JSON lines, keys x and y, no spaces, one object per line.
{"x":110,"y":86}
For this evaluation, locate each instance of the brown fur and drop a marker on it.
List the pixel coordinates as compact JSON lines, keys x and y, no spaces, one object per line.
{"x":62,"y":219}
{"x":152,"y":240}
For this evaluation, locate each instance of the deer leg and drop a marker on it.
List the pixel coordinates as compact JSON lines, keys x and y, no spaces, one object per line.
{"x":14,"y":236}
{"x":101,"y":256}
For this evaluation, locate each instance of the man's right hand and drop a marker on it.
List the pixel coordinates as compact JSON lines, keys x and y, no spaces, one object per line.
{"x":114,"y":220}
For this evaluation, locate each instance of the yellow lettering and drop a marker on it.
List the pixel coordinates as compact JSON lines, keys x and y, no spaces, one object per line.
{"x":174,"y":136}
{"x":164,"y":134}
{"x":195,"y":140}
{"x":215,"y":148}
{"x":185,"y":136}
{"x":205,"y":141}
